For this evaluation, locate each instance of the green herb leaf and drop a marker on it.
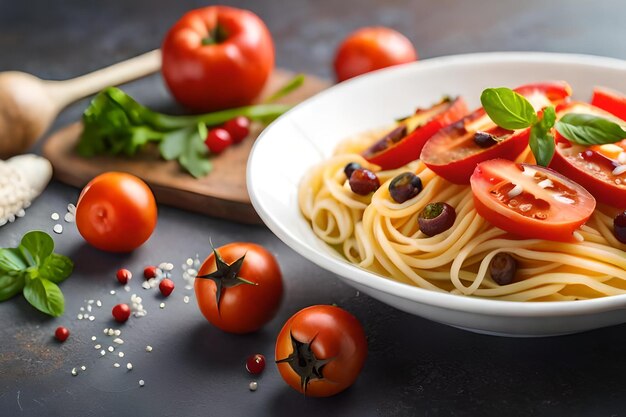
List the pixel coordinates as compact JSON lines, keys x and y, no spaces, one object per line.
{"x":56,"y":268}
{"x":173,"y":143}
{"x":293,"y":84}
{"x":11,"y":259}
{"x":38,"y":244}
{"x":541,"y":141}
{"x":194,"y":157}
{"x":45,"y":296}
{"x":11,"y":284}
{"x":587,"y":129}
{"x":507,"y":108}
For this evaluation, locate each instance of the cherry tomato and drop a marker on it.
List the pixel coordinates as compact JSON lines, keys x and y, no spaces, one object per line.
{"x":455,"y":150}
{"x":255,"y":364}
{"x":61,"y":333}
{"x":121,"y":312}
{"x":217,"y":57}
{"x":372,"y":48}
{"x":150,"y":272}
{"x":592,"y":167}
{"x":116,"y":212}
{"x":529,"y":200}
{"x":610,"y":101}
{"x":239,"y":128}
{"x":405,"y":142}
{"x":239,"y":287}
{"x":218,"y":140}
{"x":123,"y":276}
{"x":166,"y":286}
{"x":320,"y":350}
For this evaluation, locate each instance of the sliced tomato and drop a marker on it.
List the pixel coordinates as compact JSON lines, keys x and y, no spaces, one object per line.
{"x":452,"y":153}
{"x":597,"y":167}
{"x":529,"y":200}
{"x":610,"y":100}
{"x":404,"y":143}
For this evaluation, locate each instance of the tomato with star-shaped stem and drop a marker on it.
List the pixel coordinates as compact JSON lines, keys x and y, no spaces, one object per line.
{"x":239,"y":287}
{"x":320,"y":350}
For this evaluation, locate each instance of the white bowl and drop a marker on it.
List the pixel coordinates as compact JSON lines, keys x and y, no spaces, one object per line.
{"x":308,"y":133}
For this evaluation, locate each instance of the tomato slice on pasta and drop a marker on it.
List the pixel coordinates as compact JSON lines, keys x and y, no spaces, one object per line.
{"x":404,"y":143}
{"x":530,"y":201}
{"x":454,"y":152}
{"x":601,"y":169}
{"x":609,"y":100}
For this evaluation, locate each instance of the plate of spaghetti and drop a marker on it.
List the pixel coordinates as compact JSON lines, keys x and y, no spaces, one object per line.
{"x":482,"y":191}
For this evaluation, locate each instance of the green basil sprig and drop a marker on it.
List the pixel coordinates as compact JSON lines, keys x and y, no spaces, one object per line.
{"x":511,"y":110}
{"x":587,"y":129}
{"x":34,"y":269}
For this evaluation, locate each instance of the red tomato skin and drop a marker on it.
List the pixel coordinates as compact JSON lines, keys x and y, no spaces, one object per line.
{"x":609,"y":100}
{"x":409,"y":148}
{"x":333,"y":333}
{"x":244,"y":308}
{"x":460,"y":171}
{"x":522,"y":226}
{"x":227,"y":74}
{"x":116,"y":212}
{"x":371,"y":48}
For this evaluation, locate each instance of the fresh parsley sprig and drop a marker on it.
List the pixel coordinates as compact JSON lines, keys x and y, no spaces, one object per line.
{"x":511,"y":110}
{"x":34,"y":269}
{"x":116,"y":124}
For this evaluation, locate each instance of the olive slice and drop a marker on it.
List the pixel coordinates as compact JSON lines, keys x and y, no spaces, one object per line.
{"x":349,"y":168}
{"x":619,"y":227}
{"x":405,"y":186}
{"x":503,"y":268}
{"x":436,"y":218}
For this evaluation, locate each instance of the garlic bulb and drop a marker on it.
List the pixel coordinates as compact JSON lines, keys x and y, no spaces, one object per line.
{"x":22,"y":179}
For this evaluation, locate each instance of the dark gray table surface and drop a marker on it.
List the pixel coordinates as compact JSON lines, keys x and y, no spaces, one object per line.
{"x":414,"y":367}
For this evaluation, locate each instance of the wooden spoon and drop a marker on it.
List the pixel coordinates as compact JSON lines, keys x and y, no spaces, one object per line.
{"x":29,"y":105}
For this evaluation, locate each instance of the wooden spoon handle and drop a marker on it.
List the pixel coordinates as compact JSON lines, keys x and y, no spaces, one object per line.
{"x":68,"y":91}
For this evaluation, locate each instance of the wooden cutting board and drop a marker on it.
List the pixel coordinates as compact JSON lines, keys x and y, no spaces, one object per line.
{"x":222,"y":193}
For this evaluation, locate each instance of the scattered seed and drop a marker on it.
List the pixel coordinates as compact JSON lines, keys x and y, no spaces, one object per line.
{"x":111,"y":348}
{"x":141,"y":383}
{"x":74,"y":373}
{"x":55,"y":216}
{"x":89,"y":308}
{"x":99,"y":303}
{"x":58,"y":228}
{"x":162,"y":305}
{"x":145,"y":285}
{"x":118,"y":341}
{"x":102,"y":352}
{"x":82,"y":309}
{"x":117,"y":332}
{"x":93,"y":338}
{"x":186,"y":299}
{"x":129,"y":366}
{"x":90,"y":302}
{"x":71,"y":208}
{"x":117,"y":365}
{"x":111,"y":332}
{"x":97,"y":346}
{"x":189,"y":262}
{"x":84,"y":368}
{"x":148,"y":348}
{"x":120,"y":354}
{"x":112,"y":292}
{"x":254,"y":385}
{"x":127,"y":288}
{"x":79,"y":317}
{"x":69,"y":217}
{"x":91,"y":318}
{"x":106,"y":330}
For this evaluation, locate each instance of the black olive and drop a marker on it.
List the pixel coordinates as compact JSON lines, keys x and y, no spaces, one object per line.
{"x":619,"y":227}
{"x":503,"y":268}
{"x":436,"y":218}
{"x":405,"y":186}
{"x":349,"y":169}
{"x":484,"y":139}
{"x":363,"y":181}
{"x":392,"y":137}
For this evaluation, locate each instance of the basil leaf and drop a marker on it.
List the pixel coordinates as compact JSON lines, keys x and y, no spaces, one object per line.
{"x":45,"y":296}
{"x":195,"y":155}
{"x":38,"y":244}
{"x":56,"y":268}
{"x":173,"y":143}
{"x":11,"y":259}
{"x":587,"y":129}
{"x":11,"y":284}
{"x":541,"y":141}
{"x":507,"y":108}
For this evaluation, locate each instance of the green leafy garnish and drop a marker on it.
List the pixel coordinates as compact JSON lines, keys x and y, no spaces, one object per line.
{"x":508,"y":109}
{"x":34,"y":269}
{"x":541,"y":141}
{"x":587,"y":129}
{"x":116,"y":124}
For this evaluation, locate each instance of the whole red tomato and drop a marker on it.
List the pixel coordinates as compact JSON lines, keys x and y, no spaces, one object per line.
{"x":116,"y":212}
{"x":372,"y":48}
{"x":217,"y":57}
{"x":239,"y":287}
{"x":320,"y":350}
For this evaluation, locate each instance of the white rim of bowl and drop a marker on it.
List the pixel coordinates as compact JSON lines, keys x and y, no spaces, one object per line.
{"x":371,"y":280}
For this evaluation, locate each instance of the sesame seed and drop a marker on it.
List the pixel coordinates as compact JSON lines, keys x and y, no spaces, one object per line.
{"x":118,"y":341}
{"x":141,"y":383}
{"x":189,"y":262}
{"x":74,"y":373}
{"x":58,"y":229}
{"x":97,"y":346}
{"x":120,"y":354}
{"x":71,"y":208}
{"x":91,"y":318}
{"x":148,"y":348}
{"x":112,"y":292}
{"x":89,"y":308}
{"x":102,"y":352}
{"x":127,"y":288}
{"x":110,"y":348}
{"x":117,"y":365}
{"x":117,"y":332}
{"x":84,"y":368}
{"x":106,"y":330}
{"x":129,"y":366}
{"x":90,"y":302}
{"x":82,"y":309}
{"x":69,"y":217}
{"x":162,"y":305}
{"x":186,"y":299}
{"x":145,"y":285}
{"x":79,"y":317}
{"x":111,"y":332}
{"x":93,"y":337}
{"x":254,"y":385}
{"x":99,"y":303}
{"x":55,"y":216}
